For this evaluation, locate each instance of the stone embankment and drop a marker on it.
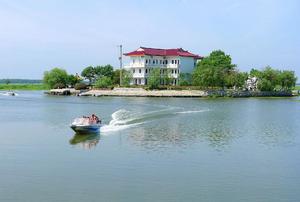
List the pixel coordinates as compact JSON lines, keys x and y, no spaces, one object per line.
{"x":140,"y":92}
{"x":64,"y":91}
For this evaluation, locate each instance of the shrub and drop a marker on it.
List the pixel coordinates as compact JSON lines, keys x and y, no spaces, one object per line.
{"x":154,"y":78}
{"x":56,"y":77}
{"x":80,"y":86}
{"x":59,"y":86}
{"x":103,"y":82}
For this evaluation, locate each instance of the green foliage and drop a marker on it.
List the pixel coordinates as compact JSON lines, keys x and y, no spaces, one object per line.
{"x":73,"y":79}
{"x":55,"y":76}
{"x":7,"y":81}
{"x":212,"y":70}
{"x":126,"y":78}
{"x":116,"y":77}
{"x":89,"y":73}
{"x":255,"y":73}
{"x":94,"y":73}
{"x":185,"y":79}
{"x":59,"y":86}
{"x":166,"y":76}
{"x":106,"y":70}
{"x":270,"y":79}
{"x":235,"y":79}
{"x":287,"y":79}
{"x":80,"y":86}
{"x":103,"y":82}
{"x":154,"y":78}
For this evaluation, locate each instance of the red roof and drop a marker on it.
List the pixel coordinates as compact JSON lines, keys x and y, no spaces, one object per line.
{"x":162,"y":52}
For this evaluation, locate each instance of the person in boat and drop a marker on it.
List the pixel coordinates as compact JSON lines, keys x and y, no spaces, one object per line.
{"x":94,"y":119}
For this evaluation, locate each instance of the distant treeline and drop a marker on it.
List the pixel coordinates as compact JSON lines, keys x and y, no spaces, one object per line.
{"x":20,"y":81}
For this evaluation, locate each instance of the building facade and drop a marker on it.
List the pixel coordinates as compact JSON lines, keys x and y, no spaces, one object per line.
{"x":170,"y":61}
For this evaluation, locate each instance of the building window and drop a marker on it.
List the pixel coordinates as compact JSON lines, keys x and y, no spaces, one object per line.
{"x":133,"y":61}
{"x":146,"y":61}
{"x":140,"y":70}
{"x":133,"y":70}
{"x":175,"y":71}
{"x":146,"y":71}
{"x":153,"y":61}
{"x":156,"y":61}
{"x":177,"y":61}
{"x":172,"y":71}
{"x":160,"y":62}
{"x":172,"y":61}
{"x":139,"y":81}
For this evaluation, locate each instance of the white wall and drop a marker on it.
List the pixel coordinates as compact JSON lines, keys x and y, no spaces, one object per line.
{"x":186,"y":64}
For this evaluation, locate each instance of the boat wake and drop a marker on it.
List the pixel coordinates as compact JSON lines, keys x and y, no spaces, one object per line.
{"x":192,"y":112}
{"x":123,"y":119}
{"x":9,"y":94}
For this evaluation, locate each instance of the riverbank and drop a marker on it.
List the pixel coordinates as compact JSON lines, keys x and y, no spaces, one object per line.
{"x":23,"y":87}
{"x":140,"y":92}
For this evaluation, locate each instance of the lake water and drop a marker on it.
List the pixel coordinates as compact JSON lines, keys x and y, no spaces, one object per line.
{"x":150,"y":149}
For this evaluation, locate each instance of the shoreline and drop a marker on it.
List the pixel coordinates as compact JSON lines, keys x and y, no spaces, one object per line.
{"x":140,"y":92}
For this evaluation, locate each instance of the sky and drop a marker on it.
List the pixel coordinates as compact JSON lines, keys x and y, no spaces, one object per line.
{"x":38,"y":35}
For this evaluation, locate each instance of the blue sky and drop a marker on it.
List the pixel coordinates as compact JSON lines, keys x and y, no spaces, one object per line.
{"x":38,"y":35}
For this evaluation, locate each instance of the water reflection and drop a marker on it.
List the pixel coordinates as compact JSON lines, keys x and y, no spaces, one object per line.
{"x":86,"y":141}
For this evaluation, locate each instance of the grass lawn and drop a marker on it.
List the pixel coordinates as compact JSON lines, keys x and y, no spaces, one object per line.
{"x":297,"y":88}
{"x":23,"y":87}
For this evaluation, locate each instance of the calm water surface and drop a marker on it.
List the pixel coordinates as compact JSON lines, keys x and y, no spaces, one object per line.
{"x":150,"y":149}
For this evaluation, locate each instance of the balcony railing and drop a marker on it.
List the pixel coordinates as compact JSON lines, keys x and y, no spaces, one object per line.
{"x":143,"y":65}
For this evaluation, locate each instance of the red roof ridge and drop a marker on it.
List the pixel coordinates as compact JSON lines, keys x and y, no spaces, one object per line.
{"x":162,"y":52}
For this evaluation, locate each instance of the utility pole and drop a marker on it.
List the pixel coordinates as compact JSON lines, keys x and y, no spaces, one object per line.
{"x":121,"y":62}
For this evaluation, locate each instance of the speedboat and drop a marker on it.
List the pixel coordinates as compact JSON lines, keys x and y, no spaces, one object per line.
{"x":9,"y":93}
{"x":85,"y":126}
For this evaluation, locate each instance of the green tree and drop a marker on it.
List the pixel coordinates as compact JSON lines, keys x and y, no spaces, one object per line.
{"x":268,"y":79}
{"x":55,"y":76}
{"x":166,"y":76}
{"x":287,"y":79}
{"x":103,"y":82}
{"x":185,"y":79}
{"x":73,"y":79}
{"x":126,"y":78}
{"x":255,"y":73}
{"x":116,"y":77}
{"x":89,"y":73}
{"x":211,"y":71}
{"x":235,"y":79}
{"x":154,"y":78}
{"x":106,"y":70}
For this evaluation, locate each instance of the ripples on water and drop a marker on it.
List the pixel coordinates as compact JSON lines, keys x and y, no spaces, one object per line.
{"x":150,"y":149}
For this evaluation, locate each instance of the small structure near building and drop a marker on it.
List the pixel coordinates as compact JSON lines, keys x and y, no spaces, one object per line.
{"x":174,"y":61}
{"x":251,"y":83}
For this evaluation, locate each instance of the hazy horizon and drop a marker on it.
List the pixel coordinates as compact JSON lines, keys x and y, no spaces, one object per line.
{"x":37,"y":36}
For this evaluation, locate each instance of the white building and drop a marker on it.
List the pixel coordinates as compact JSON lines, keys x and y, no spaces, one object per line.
{"x":175,"y":61}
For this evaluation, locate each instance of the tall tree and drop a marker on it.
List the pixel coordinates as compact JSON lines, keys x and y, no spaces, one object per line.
{"x":89,"y":73}
{"x":154,"y":78}
{"x":106,"y":70}
{"x":56,"y":76}
{"x":211,"y":71}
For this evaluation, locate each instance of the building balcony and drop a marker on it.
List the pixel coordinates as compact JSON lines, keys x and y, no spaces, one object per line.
{"x":143,"y":65}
